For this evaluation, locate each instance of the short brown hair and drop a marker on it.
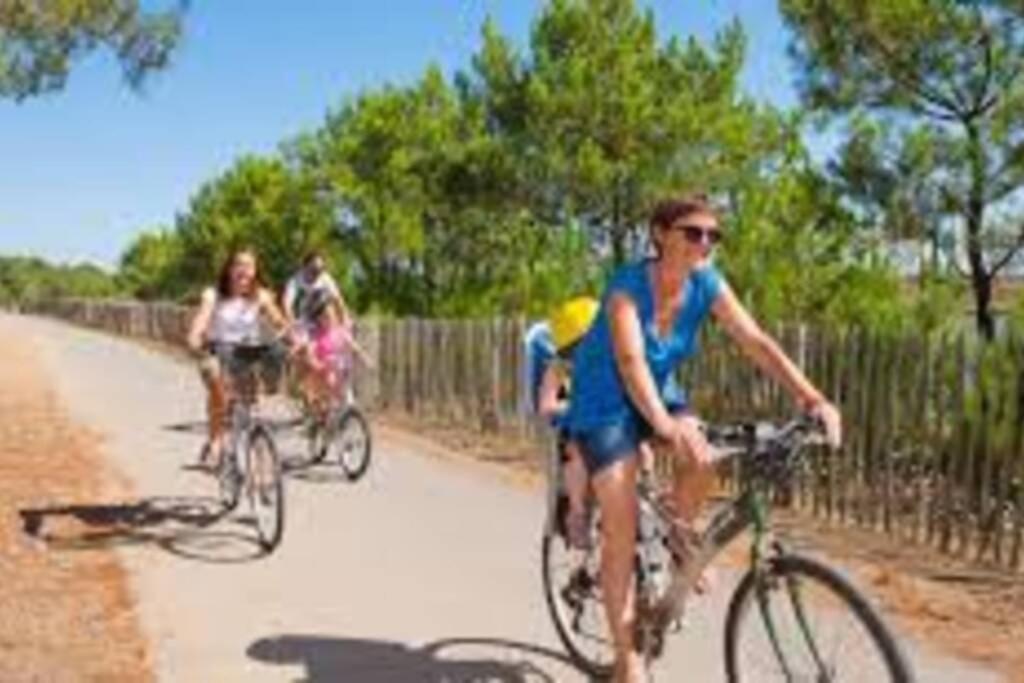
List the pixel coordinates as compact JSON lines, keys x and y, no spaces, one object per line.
{"x":668,"y":211}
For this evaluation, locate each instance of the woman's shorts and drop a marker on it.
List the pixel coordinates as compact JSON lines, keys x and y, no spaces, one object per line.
{"x":606,"y":444}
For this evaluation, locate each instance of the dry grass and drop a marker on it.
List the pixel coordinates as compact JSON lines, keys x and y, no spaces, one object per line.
{"x":66,"y":615}
{"x":966,"y":611}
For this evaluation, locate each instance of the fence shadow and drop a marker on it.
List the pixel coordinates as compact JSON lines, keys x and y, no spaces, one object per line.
{"x":374,"y":661}
{"x":184,"y":526}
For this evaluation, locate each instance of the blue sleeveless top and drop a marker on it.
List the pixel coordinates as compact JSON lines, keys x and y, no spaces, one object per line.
{"x":599,"y":394}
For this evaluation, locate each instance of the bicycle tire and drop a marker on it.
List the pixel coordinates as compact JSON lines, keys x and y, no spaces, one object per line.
{"x":789,"y":566}
{"x":229,"y":480}
{"x":267,"y":504}
{"x":352,"y":421}
{"x":600,"y":670}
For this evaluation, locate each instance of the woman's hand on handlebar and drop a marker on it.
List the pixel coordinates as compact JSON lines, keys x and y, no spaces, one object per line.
{"x":686,"y":437}
{"x":830,"y":420}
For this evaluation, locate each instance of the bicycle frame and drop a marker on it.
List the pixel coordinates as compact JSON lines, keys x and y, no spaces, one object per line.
{"x":243,"y":389}
{"x":749,"y":510}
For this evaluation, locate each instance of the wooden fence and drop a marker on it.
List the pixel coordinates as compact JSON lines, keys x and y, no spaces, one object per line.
{"x":935,"y":445}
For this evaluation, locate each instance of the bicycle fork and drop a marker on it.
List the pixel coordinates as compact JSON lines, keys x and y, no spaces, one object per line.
{"x":764,"y":584}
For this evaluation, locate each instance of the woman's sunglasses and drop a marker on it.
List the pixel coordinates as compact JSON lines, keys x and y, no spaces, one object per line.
{"x":696,"y":234}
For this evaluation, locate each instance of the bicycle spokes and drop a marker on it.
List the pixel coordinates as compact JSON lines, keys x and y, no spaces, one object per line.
{"x":802,"y":627}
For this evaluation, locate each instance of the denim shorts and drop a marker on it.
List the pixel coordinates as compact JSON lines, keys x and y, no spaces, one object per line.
{"x":606,"y":444}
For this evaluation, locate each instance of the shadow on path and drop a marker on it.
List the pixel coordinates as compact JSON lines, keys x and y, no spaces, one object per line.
{"x":457,"y":660}
{"x":182,"y":526}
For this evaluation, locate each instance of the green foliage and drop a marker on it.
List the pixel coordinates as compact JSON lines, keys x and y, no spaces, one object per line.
{"x":939,"y":304}
{"x":604,"y":118}
{"x":41,"y":41}
{"x":793,"y":252}
{"x":26,"y":280}
{"x":935,"y":91}
{"x":258,"y":203}
{"x":149,"y":266}
{"x":1017,"y":312}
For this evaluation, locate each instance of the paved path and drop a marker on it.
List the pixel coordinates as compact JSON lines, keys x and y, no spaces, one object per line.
{"x":426,"y":570}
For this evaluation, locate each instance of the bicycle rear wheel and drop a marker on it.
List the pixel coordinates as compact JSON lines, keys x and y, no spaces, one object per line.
{"x":800,"y":620}
{"x":266,"y":488}
{"x":572,"y":591}
{"x":351,"y":443}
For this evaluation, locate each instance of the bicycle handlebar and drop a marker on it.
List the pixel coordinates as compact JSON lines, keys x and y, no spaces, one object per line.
{"x":246,"y":352}
{"x":768,"y":446}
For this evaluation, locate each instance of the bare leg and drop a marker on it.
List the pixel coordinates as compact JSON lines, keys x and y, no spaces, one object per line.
{"x":615,"y":487}
{"x":216,"y":409}
{"x":693,"y":484}
{"x":312,"y":384}
{"x":576,"y":478}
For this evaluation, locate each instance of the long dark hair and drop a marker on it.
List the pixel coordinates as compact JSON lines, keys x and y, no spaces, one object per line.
{"x":224,"y":278}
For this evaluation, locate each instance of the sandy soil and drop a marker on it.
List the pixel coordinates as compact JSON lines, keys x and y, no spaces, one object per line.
{"x":66,"y":615}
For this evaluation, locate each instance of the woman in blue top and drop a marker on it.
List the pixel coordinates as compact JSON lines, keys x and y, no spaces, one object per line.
{"x":624,"y":389}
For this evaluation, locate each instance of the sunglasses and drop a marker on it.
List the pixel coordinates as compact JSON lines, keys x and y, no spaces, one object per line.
{"x":696,"y":234}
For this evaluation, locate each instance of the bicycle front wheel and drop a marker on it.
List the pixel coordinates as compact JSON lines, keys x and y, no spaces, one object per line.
{"x":800,"y":620}
{"x":229,"y":480}
{"x":352,"y":444}
{"x":266,"y":488}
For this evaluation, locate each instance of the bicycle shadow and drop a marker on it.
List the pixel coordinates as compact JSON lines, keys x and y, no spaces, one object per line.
{"x":373,"y":661}
{"x":181,"y":526}
{"x":298,"y":467}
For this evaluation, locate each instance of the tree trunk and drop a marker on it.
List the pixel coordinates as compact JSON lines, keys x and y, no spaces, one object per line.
{"x":982,"y":285}
{"x":981,"y":279}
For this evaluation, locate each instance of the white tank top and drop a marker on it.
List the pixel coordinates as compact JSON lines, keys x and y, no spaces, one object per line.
{"x":236,"y":320}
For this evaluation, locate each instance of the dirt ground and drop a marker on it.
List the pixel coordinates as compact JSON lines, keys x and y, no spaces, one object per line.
{"x":963,"y":610}
{"x":65,"y":615}
{"x":970,"y":612}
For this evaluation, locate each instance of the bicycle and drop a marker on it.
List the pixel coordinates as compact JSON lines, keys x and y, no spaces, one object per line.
{"x":250,"y":436}
{"x":339,"y":429}
{"x":781,"y":610}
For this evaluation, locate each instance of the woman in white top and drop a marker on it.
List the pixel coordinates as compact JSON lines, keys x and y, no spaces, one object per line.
{"x":233,"y":312}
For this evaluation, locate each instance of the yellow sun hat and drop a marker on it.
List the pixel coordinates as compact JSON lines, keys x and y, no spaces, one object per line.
{"x":571,"y":320}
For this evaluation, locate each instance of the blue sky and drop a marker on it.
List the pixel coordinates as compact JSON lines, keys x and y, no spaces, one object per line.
{"x":84,"y":170}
